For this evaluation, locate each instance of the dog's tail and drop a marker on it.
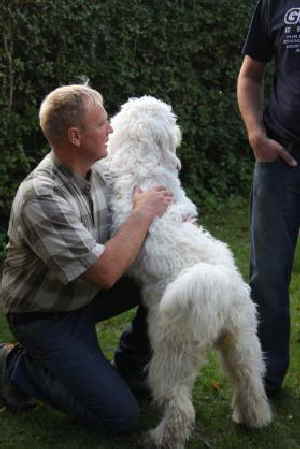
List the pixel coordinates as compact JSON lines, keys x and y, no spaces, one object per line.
{"x":201,"y":299}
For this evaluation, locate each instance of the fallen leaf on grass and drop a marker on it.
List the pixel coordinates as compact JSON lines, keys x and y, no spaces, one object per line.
{"x":216,"y":386}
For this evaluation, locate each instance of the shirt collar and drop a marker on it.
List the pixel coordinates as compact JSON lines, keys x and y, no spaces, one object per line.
{"x":83,"y":183}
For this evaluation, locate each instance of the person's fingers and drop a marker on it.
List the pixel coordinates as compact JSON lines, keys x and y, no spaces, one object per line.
{"x":168,"y":195}
{"x":137,"y":189}
{"x":159,"y":188}
{"x":288,"y":158}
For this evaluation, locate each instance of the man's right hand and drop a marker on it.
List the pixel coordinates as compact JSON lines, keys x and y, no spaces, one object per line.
{"x":153,"y":202}
{"x":268,"y":150}
{"x":122,"y":249}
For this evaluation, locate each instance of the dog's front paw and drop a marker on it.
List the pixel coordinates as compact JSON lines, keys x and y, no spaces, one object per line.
{"x":257,"y":415}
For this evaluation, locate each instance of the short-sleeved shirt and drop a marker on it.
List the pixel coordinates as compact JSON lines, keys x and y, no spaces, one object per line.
{"x":275,"y":32}
{"x":58,"y":228}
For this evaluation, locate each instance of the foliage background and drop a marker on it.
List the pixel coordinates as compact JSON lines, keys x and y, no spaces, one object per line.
{"x":186,"y":52}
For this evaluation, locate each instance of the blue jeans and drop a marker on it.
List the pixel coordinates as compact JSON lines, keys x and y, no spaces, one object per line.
{"x":60,"y":361}
{"x":275,"y":220}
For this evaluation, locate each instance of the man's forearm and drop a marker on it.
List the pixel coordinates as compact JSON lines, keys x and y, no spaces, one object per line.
{"x":250,"y":94}
{"x":250,"y":101}
{"x":120,"y":251}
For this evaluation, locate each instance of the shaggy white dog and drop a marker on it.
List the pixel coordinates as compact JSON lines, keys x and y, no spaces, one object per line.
{"x":196,"y":297}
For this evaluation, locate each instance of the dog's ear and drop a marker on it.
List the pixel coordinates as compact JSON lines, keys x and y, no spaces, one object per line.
{"x":155,"y":142}
{"x":168,"y":138}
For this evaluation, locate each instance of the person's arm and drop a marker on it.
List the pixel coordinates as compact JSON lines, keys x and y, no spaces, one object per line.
{"x":250,"y":89}
{"x":122,"y":249}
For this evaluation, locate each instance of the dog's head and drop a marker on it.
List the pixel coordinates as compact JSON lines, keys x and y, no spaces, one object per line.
{"x":145,"y":133}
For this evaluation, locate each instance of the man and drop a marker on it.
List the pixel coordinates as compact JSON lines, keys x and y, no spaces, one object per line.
{"x":63,"y":273}
{"x":274,"y":135}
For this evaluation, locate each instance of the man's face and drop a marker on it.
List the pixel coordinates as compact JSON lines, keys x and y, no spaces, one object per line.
{"x":94,"y":133}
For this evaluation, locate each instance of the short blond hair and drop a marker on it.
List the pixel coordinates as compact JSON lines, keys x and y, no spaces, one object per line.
{"x":64,"y":107}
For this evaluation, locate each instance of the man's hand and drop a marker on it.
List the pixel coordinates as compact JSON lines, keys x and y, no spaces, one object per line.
{"x":153,"y":202}
{"x":122,"y":249}
{"x":268,"y":150}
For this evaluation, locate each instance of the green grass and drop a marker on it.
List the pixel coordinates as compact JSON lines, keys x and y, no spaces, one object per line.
{"x":44,"y":428}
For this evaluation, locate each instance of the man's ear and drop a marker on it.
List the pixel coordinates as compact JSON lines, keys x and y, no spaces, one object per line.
{"x":73,"y":136}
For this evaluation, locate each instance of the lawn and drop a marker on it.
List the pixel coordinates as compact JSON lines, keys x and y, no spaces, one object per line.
{"x":44,"y":428}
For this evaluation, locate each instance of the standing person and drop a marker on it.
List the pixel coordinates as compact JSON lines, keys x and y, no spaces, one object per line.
{"x":274,"y":135}
{"x":63,"y":273}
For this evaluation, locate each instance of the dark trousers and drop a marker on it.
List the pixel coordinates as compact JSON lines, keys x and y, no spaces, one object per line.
{"x":60,"y":361}
{"x":275,"y":220}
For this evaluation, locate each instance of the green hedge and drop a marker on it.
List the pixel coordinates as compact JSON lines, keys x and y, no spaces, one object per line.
{"x":186,"y":52}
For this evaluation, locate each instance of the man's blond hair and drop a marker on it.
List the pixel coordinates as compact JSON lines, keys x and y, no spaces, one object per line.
{"x":64,"y":107}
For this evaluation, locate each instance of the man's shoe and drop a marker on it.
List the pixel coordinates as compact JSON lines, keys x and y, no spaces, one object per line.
{"x":10,"y":395}
{"x":139,"y":387}
{"x":272,"y":390}
{"x":137,"y":383}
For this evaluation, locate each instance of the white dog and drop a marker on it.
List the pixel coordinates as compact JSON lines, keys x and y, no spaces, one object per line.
{"x":196,"y":297}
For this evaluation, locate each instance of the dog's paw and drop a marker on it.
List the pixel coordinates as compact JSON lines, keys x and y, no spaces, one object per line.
{"x":253,"y":417}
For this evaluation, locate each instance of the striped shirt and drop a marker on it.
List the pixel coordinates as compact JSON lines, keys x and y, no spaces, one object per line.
{"x":58,"y":226}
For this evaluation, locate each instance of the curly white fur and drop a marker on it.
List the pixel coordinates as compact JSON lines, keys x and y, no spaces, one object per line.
{"x":196,"y":297}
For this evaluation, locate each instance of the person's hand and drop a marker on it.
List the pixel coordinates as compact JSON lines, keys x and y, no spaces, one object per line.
{"x":268,"y":150}
{"x":190,"y":219}
{"x":153,"y":202}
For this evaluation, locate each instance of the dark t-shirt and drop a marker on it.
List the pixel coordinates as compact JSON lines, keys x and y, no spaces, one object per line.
{"x":275,"y":32}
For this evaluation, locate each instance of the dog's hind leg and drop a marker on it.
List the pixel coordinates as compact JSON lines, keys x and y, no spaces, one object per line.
{"x":188,"y":322}
{"x":243,"y":360}
{"x":172,"y":372}
{"x":177,"y":422}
